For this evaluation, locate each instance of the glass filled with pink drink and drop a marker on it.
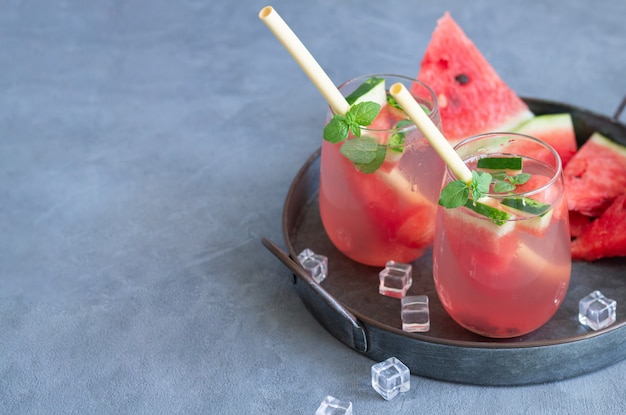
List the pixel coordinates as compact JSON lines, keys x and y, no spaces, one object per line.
{"x":383,"y":209}
{"x":501,"y":262}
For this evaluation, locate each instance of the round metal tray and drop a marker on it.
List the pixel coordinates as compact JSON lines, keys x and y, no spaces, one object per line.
{"x":348,"y":304}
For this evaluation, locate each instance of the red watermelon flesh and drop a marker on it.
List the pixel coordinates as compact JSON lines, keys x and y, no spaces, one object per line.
{"x":595,"y":176}
{"x":554,"y":129}
{"x":577,"y":223}
{"x":605,"y":236}
{"x":473,"y":99}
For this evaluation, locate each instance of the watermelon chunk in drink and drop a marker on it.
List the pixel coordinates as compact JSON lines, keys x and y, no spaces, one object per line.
{"x":472,"y":240}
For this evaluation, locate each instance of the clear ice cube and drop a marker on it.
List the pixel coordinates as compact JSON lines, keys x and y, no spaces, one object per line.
{"x":596,"y":311}
{"x":415,"y":313}
{"x":333,"y":406}
{"x":395,"y":279}
{"x":390,"y":378}
{"x":315,"y":264}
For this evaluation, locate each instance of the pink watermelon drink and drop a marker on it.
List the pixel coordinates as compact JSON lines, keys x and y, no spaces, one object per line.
{"x":384,"y":209}
{"x":501,"y":262}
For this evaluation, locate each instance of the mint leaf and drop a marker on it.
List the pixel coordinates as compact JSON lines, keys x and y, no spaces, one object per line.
{"x":499,"y":175}
{"x":519,"y":178}
{"x":336,"y":130}
{"x":396,"y":140}
{"x":355,"y":128}
{"x":364,"y":113}
{"x":455,"y":194}
{"x":392,"y":101}
{"x":373,"y":165}
{"x":501,"y":186}
{"x":360,"y":150}
{"x":403,"y":123}
{"x":480,"y":184}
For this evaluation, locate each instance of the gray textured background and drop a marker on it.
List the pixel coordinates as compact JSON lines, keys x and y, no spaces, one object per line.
{"x":147,"y":146}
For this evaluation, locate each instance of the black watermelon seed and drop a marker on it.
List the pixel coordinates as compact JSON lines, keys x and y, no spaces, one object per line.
{"x":462,"y":79}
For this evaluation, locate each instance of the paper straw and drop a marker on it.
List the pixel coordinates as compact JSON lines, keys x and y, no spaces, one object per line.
{"x":431,"y":132}
{"x":306,"y":61}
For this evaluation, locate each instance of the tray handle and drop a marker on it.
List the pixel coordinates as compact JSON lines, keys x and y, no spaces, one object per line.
{"x":342,"y":324}
{"x":619,"y":110}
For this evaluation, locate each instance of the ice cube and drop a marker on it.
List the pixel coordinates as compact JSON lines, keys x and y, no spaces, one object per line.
{"x":390,"y":378}
{"x":596,"y":311}
{"x":395,"y":279}
{"x":415,"y":313}
{"x":333,"y":406}
{"x":315,"y":264}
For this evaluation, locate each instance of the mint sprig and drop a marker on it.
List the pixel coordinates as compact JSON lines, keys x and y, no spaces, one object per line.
{"x":503,"y":183}
{"x":359,"y":115}
{"x":457,"y":192}
{"x":480,"y":184}
{"x":365,"y":152}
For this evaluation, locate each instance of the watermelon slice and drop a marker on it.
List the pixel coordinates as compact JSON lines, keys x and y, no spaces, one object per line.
{"x":595,"y":176}
{"x":605,"y":236}
{"x":556,"y":130}
{"x":473,"y":99}
{"x":577,"y":223}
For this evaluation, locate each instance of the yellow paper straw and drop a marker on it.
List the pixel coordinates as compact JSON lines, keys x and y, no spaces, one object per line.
{"x":306,"y":61}
{"x":431,"y":132}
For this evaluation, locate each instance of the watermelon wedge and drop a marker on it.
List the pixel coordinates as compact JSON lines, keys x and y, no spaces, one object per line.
{"x":556,"y":130}
{"x":473,"y":99}
{"x":605,"y":236}
{"x":595,"y":176}
{"x":577,"y":223}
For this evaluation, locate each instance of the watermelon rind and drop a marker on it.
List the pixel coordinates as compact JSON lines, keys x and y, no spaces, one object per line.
{"x":526,"y":206}
{"x":485,"y":207}
{"x":372,"y":89}
{"x":500,"y":163}
{"x":550,"y":128}
{"x":611,"y":145}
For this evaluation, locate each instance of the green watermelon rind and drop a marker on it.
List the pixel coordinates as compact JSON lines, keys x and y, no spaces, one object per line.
{"x":611,"y":145}
{"x":545,"y":122}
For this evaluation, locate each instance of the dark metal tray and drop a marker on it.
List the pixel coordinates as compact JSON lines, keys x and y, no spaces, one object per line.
{"x":349,"y":306}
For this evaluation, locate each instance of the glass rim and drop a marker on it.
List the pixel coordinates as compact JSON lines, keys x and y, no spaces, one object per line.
{"x":556,"y":173}
{"x":435,"y":101}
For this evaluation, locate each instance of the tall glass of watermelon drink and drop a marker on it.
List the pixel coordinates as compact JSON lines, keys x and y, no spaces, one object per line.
{"x":502,"y":263}
{"x":388,"y":213}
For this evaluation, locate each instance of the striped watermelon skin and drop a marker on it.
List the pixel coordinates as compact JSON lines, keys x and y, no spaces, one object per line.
{"x":473,"y":99}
